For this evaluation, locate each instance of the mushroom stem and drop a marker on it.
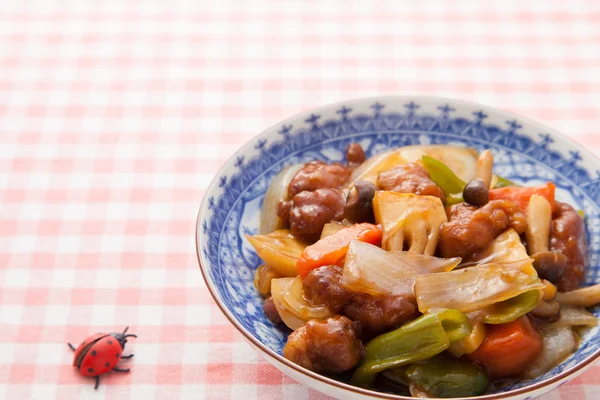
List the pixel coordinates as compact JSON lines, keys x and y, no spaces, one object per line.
{"x":584,"y":297}
{"x":485,"y":164}
{"x":539,"y":220}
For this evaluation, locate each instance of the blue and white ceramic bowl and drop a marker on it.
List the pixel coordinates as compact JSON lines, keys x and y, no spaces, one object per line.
{"x":525,"y":151}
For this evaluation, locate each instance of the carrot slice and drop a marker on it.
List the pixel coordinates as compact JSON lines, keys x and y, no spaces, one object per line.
{"x":521,"y":195}
{"x":509,"y":348}
{"x":331,"y":249}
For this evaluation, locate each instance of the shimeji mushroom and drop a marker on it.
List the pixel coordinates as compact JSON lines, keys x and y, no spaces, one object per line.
{"x":584,"y":297}
{"x":539,"y":219}
{"x":549,"y":265}
{"x":485,"y":164}
{"x":548,"y":307}
{"x":359,"y":205}
{"x":410,"y":222}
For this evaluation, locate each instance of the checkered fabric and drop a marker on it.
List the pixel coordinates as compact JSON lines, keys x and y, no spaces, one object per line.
{"x":115,"y":115}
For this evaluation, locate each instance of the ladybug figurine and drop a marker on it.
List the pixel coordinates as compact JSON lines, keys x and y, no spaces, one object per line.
{"x":100,"y":353}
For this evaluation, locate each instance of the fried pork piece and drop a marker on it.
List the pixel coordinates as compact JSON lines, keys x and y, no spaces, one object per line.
{"x":271,"y":311}
{"x":329,"y":346}
{"x":409,"y":178}
{"x":380,"y":314}
{"x":355,"y":155}
{"x":318,"y":175}
{"x":568,"y":237}
{"x":310,"y":211}
{"x":470,"y":229}
{"x":323,"y":286}
{"x":376,"y":315}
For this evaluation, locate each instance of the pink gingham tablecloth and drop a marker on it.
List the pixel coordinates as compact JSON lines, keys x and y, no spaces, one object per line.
{"x":115,"y":115}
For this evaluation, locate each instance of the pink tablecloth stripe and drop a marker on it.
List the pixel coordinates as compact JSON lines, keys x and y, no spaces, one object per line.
{"x":114,"y":116}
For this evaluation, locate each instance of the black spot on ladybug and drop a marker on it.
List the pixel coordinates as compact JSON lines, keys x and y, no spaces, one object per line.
{"x":90,"y":369}
{"x":109,"y":341}
{"x":94,"y":352}
{"x":107,"y":365}
{"x":118,"y":355}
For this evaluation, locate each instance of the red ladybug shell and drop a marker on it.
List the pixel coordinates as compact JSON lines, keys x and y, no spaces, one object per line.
{"x":84,"y":346}
{"x":101,"y":356}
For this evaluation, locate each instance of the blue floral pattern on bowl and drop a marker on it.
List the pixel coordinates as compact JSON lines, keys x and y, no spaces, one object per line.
{"x":521,"y":154}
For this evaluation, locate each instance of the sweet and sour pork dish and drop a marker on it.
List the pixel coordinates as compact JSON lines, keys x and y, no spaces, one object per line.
{"x":420,"y":271}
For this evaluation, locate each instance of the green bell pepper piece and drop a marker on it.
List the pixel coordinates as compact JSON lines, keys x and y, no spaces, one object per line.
{"x":447,"y":180}
{"x":503,"y":182}
{"x":445,"y":377}
{"x":418,"y":340}
{"x":511,"y":309}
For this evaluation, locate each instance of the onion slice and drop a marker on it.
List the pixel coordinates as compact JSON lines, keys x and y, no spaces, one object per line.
{"x":294,"y":309}
{"x":370,"y":269}
{"x":474,"y":288}
{"x":425,"y":264}
{"x":280,"y":250}
{"x":292,"y":298}
{"x":506,"y":249}
{"x":278,"y":191}
{"x":277,"y":287}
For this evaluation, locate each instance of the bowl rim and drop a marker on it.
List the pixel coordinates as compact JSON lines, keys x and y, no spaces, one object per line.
{"x":579,"y":367}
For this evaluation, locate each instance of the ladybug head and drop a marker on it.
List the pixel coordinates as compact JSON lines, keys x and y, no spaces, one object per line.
{"x":122,"y":337}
